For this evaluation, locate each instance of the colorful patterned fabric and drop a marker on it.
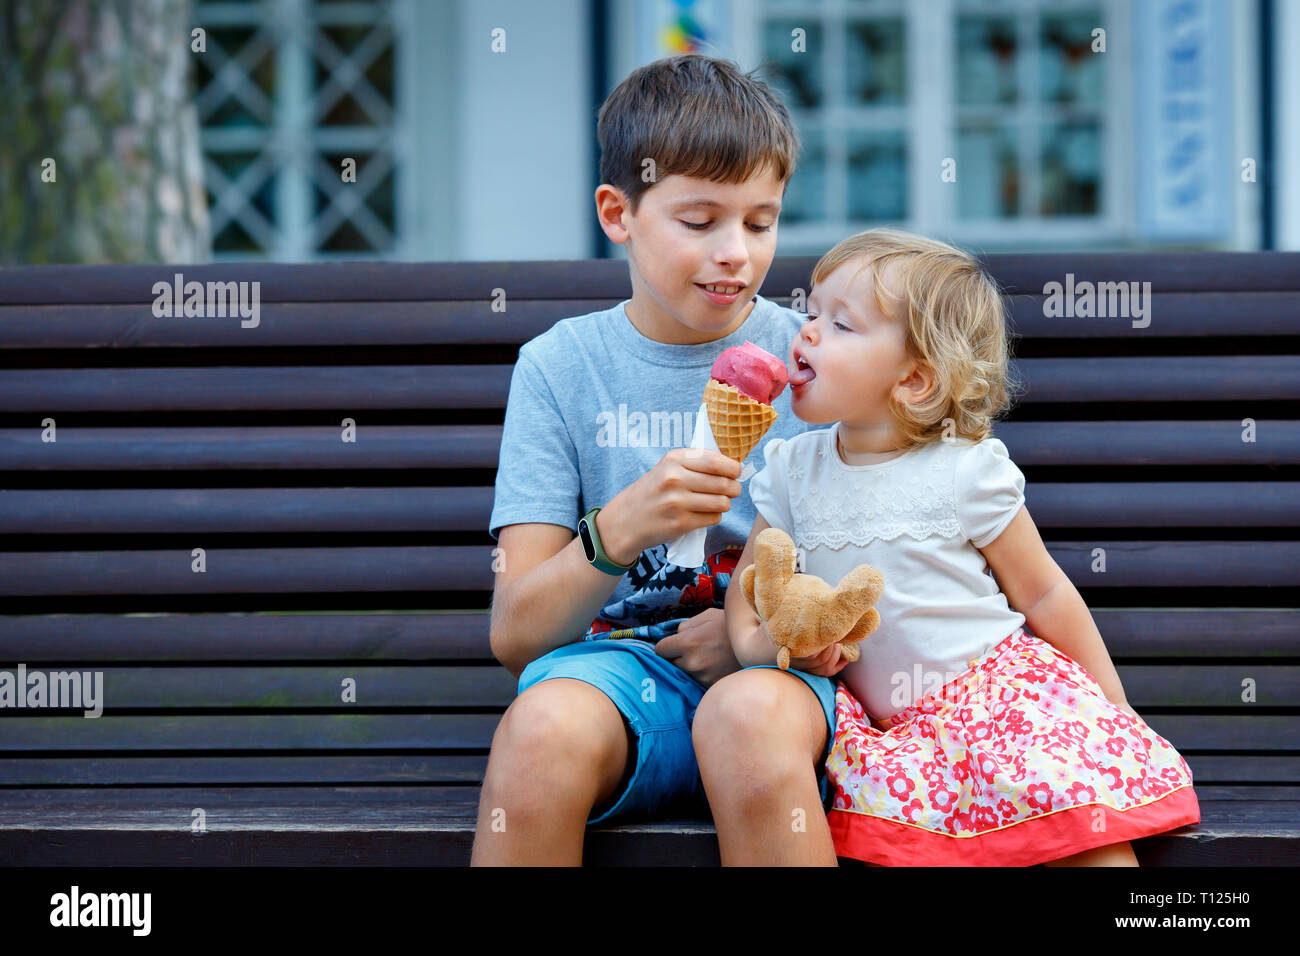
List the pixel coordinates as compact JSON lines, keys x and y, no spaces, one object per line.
{"x":663,"y":595}
{"x":1018,"y":761}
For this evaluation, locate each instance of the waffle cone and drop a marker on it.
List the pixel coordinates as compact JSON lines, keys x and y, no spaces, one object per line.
{"x":738,"y":421}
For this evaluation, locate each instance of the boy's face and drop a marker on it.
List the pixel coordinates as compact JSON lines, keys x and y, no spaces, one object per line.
{"x":677,"y":243}
{"x":858,"y":355}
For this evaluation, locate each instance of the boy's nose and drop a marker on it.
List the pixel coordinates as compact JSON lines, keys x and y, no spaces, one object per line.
{"x":732,"y":251}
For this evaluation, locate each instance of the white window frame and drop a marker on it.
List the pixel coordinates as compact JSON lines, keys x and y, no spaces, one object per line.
{"x":930,"y":109}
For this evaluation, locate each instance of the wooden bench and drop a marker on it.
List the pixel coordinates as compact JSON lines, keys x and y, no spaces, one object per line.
{"x":327,"y":560}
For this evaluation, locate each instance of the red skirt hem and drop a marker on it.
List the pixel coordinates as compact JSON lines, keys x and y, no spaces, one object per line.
{"x":1051,"y":836}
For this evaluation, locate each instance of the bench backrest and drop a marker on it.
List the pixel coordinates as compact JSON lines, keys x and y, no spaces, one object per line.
{"x":201,"y":531}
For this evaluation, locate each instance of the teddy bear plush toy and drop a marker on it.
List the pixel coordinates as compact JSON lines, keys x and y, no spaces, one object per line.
{"x":801,"y":613}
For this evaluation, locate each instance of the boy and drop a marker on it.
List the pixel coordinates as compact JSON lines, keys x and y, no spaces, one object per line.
{"x":612,"y":645}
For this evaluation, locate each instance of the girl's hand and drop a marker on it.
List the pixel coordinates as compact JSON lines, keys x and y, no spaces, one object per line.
{"x":825,"y":663}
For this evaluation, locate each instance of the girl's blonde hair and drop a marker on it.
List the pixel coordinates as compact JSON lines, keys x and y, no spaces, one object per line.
{"x":954,"y":324}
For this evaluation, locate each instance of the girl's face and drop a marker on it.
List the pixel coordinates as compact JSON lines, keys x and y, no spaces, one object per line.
{"x":856,"y":354}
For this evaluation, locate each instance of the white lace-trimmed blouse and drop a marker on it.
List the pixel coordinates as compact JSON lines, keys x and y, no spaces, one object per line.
{"x":920,"y":519}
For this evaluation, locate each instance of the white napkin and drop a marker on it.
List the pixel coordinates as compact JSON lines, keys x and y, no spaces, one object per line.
{"x":688,"y":550}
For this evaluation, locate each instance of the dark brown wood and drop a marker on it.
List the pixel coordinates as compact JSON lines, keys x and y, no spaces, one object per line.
{"x":373,"y":387}
{"x":1160,"y":564}
{"x":453,"y":322}
{"x":608,"y":278}
{"x":195,"y":733}
{"x":248,"y":571}
{"x":435,"y":826}
{"x":247,"y":510}
{"x":287,"y":688}
{"x":1173,"y":504}
{"x":240,"y":712}
{"x":246,"y":637}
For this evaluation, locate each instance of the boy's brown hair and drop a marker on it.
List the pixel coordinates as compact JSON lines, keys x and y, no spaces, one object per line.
{"x":953,"y":322}
{"x":695,"y":116}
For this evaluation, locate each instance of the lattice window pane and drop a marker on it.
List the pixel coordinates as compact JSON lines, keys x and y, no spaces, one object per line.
{"x":287,"y":90}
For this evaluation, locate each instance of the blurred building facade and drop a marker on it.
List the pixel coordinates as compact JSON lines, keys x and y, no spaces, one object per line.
{"x":996,"y":124}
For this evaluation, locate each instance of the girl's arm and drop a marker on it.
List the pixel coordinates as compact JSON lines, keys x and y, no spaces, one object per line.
{"x":1054,"y":610}
{"x":748,"y":641}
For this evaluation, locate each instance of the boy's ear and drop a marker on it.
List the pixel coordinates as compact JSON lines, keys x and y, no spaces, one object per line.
{"x":612,"y":211}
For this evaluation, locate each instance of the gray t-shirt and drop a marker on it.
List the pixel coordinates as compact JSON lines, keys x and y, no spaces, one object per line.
{"x":593,"y":406}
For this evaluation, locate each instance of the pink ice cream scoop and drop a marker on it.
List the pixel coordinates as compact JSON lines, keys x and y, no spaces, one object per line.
{"x":754,"y":372}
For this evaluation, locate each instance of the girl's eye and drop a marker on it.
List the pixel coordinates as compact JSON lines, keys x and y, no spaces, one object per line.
{"x":837,"y":324}
{"x":705,"y":225}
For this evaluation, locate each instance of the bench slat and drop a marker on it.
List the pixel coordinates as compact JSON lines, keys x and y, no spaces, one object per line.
{"x":363,"y":387}
{"x":1166,"y":315}
{"x":248,"y":571}
{"x":245,"y":637}
{"x":1189,"y":732}
{"x":1161,"y":564}
{"x":446,"y":322}
{"x":1016,"y":273}
{"x":311,"y":447}
{"x":1257,"y":635}
{"x":296,"y":688}
{"x":113,"y":770}
{"x":1128,"y":504}
{"x":267,"y":388}
{"x":324,"y":732}
{"x":251,"y":510}
{"x":416,"y":826}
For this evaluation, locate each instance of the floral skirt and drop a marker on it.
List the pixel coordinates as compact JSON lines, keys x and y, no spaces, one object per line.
{"x":1018,"y":761}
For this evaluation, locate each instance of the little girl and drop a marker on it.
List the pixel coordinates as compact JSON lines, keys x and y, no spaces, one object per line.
{"x":984,"y":723}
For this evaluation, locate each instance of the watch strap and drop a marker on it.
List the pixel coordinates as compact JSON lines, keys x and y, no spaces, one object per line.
{"x":600,"y":559}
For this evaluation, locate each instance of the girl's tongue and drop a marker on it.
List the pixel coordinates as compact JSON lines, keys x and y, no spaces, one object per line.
{"x":802,"y":376}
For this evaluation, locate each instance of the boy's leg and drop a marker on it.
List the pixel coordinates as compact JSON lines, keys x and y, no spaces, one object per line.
{"x":760,"y":737}
{"x":561,"y":748}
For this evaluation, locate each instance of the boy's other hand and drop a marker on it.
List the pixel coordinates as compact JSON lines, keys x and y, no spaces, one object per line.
{"x":701,"y":647}
{"x":688,"y":488}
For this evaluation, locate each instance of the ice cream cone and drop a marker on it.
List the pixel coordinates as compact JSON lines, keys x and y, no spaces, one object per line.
{"x":738,"y":421}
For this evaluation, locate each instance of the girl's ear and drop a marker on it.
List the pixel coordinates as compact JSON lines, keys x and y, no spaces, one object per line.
{"x":919,"y":383}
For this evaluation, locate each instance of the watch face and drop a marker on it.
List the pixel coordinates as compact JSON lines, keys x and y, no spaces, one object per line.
{"x":588,"y":548}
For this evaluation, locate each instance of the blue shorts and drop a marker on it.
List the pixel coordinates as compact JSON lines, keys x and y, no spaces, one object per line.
{"x":658,"y":700}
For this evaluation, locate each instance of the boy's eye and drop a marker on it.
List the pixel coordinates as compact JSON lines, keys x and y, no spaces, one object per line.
{"x":705,"y":225}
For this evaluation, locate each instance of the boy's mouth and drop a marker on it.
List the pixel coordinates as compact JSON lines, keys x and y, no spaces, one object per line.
{"x":721,"y":293}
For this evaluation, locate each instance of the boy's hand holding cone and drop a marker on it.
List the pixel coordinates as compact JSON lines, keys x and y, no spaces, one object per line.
{"x":743,"y":383}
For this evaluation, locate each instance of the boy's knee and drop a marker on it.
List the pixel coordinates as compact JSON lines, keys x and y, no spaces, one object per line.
{"x":748,"y":707}
{"x":555,"y":725}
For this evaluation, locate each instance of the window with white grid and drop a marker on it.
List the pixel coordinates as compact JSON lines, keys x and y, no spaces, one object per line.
{"x":286,"y":91}
{"x":1011,"y":92}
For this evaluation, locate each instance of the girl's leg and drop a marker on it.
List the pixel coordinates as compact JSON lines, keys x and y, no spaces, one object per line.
{"x":1117,"y":854}
{"x":759,"y":737}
